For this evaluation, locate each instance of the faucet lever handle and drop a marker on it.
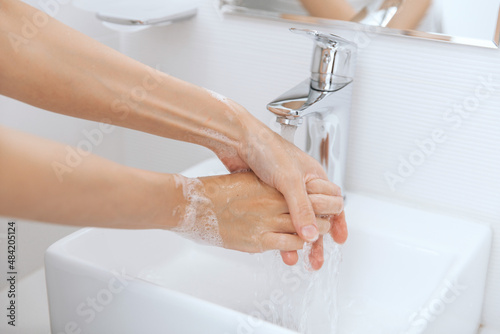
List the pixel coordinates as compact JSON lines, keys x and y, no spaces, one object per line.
{"x":332,"y":63}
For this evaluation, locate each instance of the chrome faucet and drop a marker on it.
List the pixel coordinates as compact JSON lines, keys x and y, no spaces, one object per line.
{"x":323,"y":101}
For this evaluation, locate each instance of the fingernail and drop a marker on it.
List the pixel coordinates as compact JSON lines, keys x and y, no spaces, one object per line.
{"x":310,"y":232}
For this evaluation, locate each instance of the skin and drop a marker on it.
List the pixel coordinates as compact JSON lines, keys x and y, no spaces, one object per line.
{"x":253,"y":217}
{"x":333,"y":9}
{"x":242,"y":199}
{"x":61,"y":70}
{"x":408,"y":16}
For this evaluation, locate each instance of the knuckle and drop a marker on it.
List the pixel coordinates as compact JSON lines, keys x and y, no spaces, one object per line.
{"x":336,"y":190}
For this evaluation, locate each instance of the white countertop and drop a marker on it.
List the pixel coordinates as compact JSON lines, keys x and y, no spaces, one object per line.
{"x":32,"y":306}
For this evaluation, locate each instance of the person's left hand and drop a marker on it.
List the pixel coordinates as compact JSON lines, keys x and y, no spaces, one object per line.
{"x":296,"y":175}
{"x":240,"y":212}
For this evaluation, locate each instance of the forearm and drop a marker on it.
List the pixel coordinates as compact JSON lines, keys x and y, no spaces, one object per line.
{"x":62,"y":70}
{"x":59,"y":69}
{"x":331,"y":9}
{"x":410,"y":14}
{"x":37,"y":183}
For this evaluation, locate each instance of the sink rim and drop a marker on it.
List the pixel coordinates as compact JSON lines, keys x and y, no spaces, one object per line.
{"x":452,"y":235}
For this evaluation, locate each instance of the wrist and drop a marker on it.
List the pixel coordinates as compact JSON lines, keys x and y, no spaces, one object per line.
{"x":166,"y":202}
{"x":227,"y":125}
{"x":197,"y":219}
{"x":228,"y":131}
{"x":257,"y":138}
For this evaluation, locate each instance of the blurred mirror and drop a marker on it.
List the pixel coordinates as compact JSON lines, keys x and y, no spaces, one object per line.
{"x":458,"y":21}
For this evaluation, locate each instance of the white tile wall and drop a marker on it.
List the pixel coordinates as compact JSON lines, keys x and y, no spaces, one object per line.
{"x":404,"y":88}
{"x":34,"y":237}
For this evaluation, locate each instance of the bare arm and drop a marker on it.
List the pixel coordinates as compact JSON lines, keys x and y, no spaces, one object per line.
{"x":64,"y":71}
{"x":410,"y":14}
{"x":96,"y":192}
{"x":329,"y":9}
{"x":240,"y":211}
{"x":61,"y":70}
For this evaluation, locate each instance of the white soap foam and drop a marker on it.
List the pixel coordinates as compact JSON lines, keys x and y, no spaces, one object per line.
{"x":220,"y":144}
{"x":199,"y":223}
{"x":217,"y":96}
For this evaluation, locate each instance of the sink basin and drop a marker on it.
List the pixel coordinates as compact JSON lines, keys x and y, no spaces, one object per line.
{"x":403,"y":270}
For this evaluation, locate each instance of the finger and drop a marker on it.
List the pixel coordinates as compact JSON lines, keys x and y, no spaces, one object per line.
{"x":325,"y":187}
{"x":327,"y":205}
{"x":290,"y":258}
{"x":283,"y":224}
{"x":282,"y":241}
{"x":316,"y":257}
{"x":301,"y":210}
{"x":339,"y":228}
{"x":324,"y":224}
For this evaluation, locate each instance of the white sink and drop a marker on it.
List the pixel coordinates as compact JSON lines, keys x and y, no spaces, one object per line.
{"x":403,"y":271}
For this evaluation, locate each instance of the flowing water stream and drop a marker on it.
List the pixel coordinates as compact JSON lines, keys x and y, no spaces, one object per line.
{"x":308,"y":299}
{"x":294,"y":297}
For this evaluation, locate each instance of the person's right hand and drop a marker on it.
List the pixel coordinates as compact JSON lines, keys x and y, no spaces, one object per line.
{"x":299,"y":177}
{"x":240,"y":212}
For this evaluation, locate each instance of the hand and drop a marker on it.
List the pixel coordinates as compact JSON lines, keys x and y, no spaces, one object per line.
{"x":240,"y":212}
{"x":297,"y":176}
{"x":166,"y":106}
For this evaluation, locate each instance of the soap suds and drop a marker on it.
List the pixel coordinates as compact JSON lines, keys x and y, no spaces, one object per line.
{"x":225,"y":100}
{"x":179,"y":181}
{"x":199,"y":223}
{"x":219,"y":143}
{"x":217,"y":96}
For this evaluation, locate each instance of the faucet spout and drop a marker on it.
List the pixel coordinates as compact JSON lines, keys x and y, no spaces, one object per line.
{"x":299,"y":102}
{"x":323,"y":103}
